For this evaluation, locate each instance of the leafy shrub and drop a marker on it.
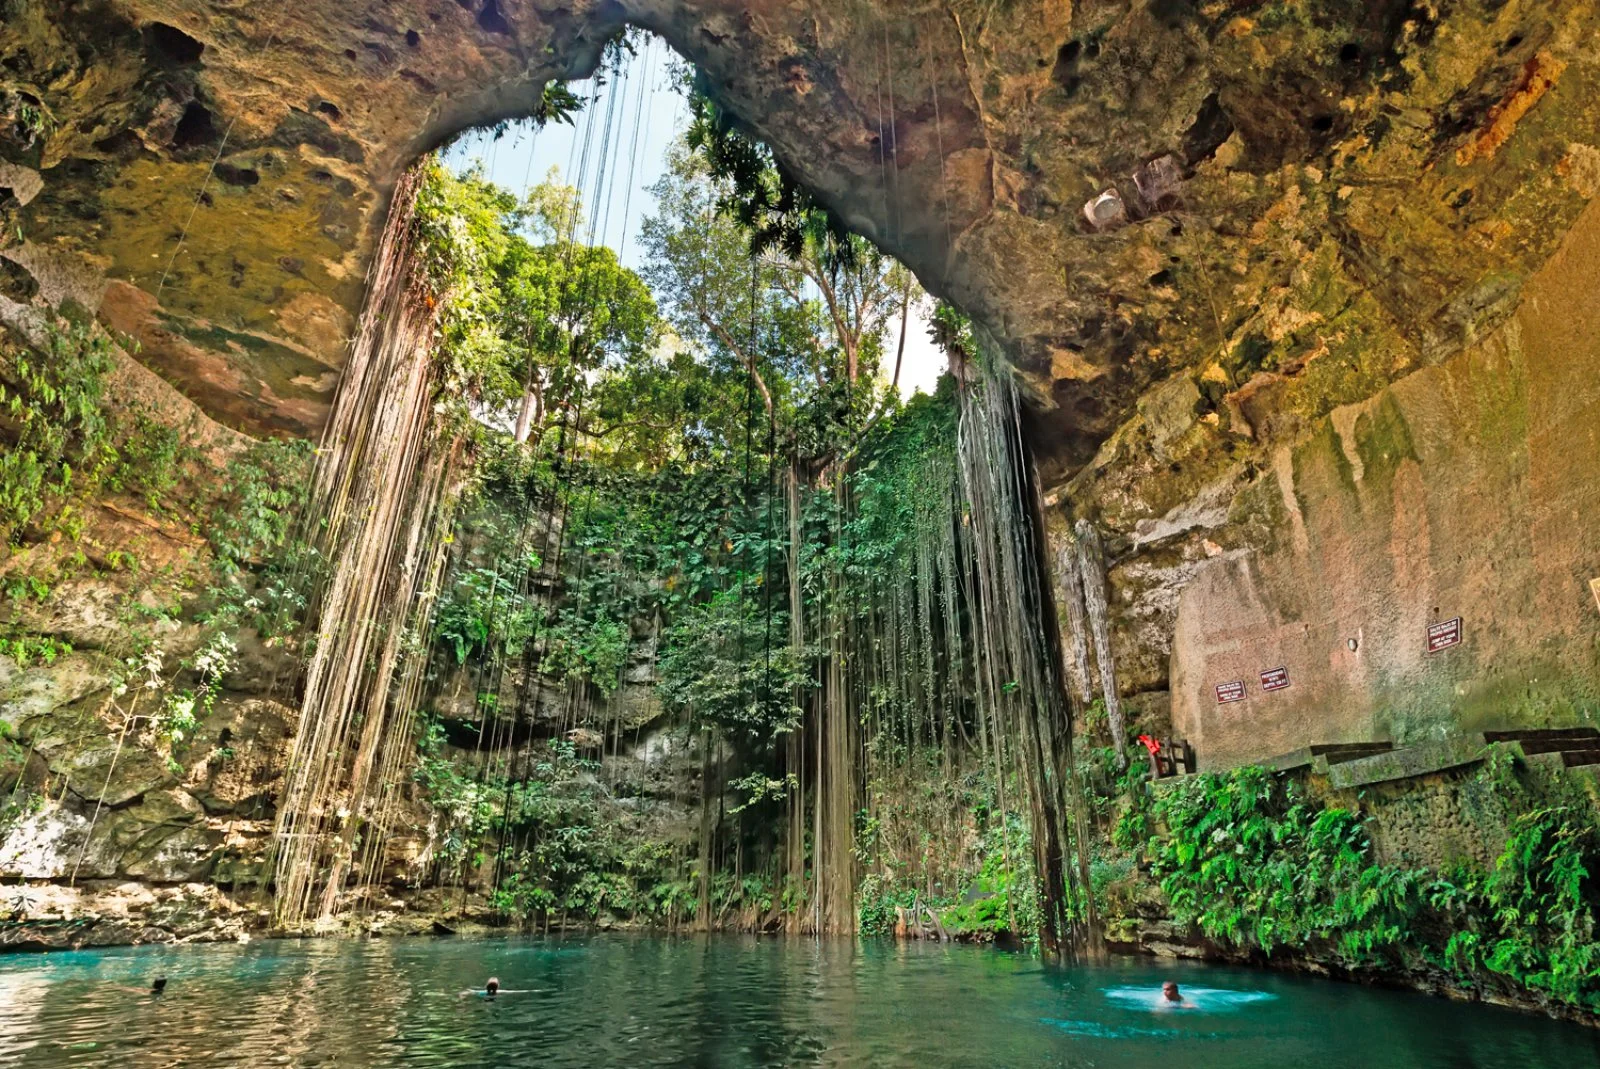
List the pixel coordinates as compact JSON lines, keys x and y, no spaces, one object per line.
{"x":1250,"y":862}
{"x":485,"y":610}
{"x":54,"y":400}
{"x":1533,"y":919}
{"x":29,"y":650}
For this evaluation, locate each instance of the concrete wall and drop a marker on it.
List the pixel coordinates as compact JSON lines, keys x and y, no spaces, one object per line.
{"x":1466,"y":489}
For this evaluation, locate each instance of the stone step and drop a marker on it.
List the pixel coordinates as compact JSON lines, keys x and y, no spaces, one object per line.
{"x":1544,"y":737}
{"x":1538,"y":746}
{"x":1330,"y":753}
{"x":1576,"y":758}
{"x":1408,"y":762}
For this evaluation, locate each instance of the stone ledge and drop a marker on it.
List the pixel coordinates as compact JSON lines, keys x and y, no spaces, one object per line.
{"x":1320,"y":756}
{"x":1407,"y":763}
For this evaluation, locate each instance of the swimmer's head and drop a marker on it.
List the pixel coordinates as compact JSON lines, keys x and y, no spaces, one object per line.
{"x":1169,"y":991}
{"x":492,"y":986}
{"x":158,"y":985}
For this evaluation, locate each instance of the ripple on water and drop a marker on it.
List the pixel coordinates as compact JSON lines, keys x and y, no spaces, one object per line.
{"x":1101,"y":1030}
{"x":724,"y":1003}
{"x":1204,"y":999}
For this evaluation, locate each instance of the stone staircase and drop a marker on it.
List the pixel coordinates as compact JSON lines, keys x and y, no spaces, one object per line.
{"x":1359,"y":764}
{"x":1349,"y":765}
{"x":1577,"y":746}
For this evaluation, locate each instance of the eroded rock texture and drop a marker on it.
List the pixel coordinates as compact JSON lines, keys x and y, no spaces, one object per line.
{"x":1201,"y":231}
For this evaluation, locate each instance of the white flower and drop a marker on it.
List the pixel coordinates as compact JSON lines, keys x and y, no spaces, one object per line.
{"x":152,"y":663}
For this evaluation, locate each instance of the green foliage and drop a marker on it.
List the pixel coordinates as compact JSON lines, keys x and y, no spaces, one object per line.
{"x":998,"y":900}
{"x":262,"y":492}
{"x":17,"y":799}
{"x":183,"y":710}
{"x":952,"y":331}
{"x":487,"y":609}
{"x":523,"y":322}
{"x":876,"y":902}
{"x":756,"y":329}
{"x":727,"y":661}
{"x":150,"y":460}
{"x":1533,"y":919}
{"x":646,"y":511}
{"x":759,"y":193}
{"x":73,"y":441}
{"x":557,"y":104}
{"x":593,"y":650}
{"x":1248,"y":861}
{"x":1003,"y":899}
{"x":30,"y":650}
{"x":52,"y":401}
{"x":564,"y":853}
{"x":263,"y":566}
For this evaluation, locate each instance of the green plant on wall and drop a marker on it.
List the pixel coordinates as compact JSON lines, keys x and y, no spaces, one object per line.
{"x":486,"y":608}
{"x":53,"y":399}
{"x":29,"y":650}
{"x":559,"y":853}
{"x":1247,"y":860}
{"x":1533,"y":918}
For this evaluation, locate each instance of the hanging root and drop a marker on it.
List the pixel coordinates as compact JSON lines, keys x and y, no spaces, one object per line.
{"x":379,"y":511}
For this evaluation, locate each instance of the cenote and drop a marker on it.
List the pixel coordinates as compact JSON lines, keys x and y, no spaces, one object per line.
{"x":933,"y":517}
{"x":723,"y":1001}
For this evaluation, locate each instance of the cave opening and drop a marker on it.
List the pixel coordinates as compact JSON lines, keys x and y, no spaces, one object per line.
{"x":673,"y":430}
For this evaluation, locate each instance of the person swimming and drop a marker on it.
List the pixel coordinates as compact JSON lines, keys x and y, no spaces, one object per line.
{"x":1171,"y":996}
{"x":157,"y":986}
{"x":489,"y":990}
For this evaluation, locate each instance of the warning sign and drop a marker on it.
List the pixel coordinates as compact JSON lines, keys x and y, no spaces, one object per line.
{"x":1275,"y":679}
{"x":1444,"y":635}
{"x":1230,"y":692}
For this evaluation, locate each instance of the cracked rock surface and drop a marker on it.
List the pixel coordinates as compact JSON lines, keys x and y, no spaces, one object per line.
{"x":1208,"y":234}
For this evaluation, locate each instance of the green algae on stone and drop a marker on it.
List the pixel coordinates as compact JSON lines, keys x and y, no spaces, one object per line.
{"x":289,"y":232}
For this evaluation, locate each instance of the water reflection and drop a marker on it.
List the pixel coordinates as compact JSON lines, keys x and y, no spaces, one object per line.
{"x":723,"y":1002}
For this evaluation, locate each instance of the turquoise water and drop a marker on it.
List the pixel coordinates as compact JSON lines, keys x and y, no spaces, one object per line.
{"x":639,"y":1001}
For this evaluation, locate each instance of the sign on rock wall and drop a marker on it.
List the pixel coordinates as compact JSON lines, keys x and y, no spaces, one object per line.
{"x":1444,"y":635}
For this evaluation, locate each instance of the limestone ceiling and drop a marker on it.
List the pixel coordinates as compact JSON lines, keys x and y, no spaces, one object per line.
{"x":1297,"y":201}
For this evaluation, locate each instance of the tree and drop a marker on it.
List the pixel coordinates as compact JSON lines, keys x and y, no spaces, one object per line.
{"x":804,"y":323}
{"x":533,"y":313}
{"x":577,"y":309}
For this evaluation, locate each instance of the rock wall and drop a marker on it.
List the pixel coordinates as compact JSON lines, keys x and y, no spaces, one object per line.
{"x":1263,"y":266}
{"x":1465,"y":490}
{"x":112,"y":829}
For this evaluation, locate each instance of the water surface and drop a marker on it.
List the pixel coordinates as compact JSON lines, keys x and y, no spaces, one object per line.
{"x":640,"y":1001}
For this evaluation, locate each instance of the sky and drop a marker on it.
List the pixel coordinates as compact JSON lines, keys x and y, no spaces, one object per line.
{"x":645,"y":114}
